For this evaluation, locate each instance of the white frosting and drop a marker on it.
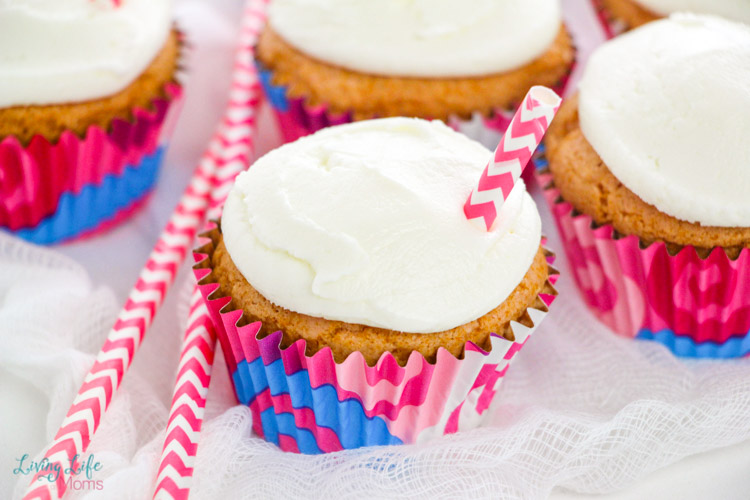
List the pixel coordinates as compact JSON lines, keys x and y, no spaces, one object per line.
{"x":364,"y":223}
{"x":738,"y":10}
{"x":667,"y":107}
{"x":61,"y":51}
{"x":420,"y":38}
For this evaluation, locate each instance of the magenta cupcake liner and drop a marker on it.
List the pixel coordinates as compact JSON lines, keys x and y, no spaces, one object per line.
{"x":97,"y":207}
{"x":698,"y":307}
{"x":34,"y":177}
{"x":312,"y":404}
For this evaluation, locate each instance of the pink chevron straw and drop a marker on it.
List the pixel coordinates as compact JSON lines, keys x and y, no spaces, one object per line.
{"x":227,"y":154}
{"x":512,"y":155}
{"x":175,"y":471}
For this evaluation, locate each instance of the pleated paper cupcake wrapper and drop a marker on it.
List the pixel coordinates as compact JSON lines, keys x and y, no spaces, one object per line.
{"x":296,"y":118}
{"x":34,"y":179}
{"x":96,"y":208}
{"x":312,"y":404}
{"x":611,"y":25}
{"x":698,"y":307}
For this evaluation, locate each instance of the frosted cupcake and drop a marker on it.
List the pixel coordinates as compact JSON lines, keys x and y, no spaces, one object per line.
{"x":85,"y":91}
{"x":328,"y":62}
{"x":621,"y":15}
{"x":344,"y":260}
{"x":650,"y":170}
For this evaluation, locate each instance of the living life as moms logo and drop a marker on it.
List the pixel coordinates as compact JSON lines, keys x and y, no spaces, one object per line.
{"x":80,"y":473}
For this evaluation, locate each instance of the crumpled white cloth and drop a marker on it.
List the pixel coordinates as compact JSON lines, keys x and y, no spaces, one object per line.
{"x":580,"y":409}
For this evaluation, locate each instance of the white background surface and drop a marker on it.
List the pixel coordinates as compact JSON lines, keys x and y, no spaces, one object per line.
{"x":114,"y":259}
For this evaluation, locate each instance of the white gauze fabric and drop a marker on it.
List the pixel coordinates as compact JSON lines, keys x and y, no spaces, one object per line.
{"x":581,"y":409}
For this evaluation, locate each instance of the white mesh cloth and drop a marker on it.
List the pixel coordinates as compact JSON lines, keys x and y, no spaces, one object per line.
{"x":580,"y":409}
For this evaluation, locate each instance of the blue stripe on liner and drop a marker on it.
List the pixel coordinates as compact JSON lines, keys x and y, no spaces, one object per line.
{"x":346,"y":418}
{"x":249,"y":380}
{"x":276,"y":94}
{"x":274,"y":424}
{"x":243,"y":383}
{"x":735,"y":347}
{"x":95,"y":204}
{"x":539,"y":158}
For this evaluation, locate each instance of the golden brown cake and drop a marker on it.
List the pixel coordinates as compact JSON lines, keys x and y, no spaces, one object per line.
{"x":50,"y":121}
{"x":369,"y":95}
{"x":345,"y":338}
{"x":585,"y":181}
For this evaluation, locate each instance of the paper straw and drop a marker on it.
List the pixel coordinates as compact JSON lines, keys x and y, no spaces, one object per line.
{"x":115,"y":357}
{"x":511,"y":156}
{"x":175,"y":471}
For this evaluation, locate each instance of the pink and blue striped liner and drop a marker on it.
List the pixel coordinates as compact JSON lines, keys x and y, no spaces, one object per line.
{"x":96,"y":208}
{"x":77,"y":186}
{"x":698,"y":307}
{"x":312,"y":404}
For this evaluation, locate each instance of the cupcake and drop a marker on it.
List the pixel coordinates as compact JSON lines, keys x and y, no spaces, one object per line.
{"x":649,"y":175}
{"x":327,"y":62}
{"x":621,"y":15}
{"x":86,"y":90}
{"x":354,"y":302}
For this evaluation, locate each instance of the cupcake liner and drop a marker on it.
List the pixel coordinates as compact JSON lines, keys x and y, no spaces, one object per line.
{"x":611,"y":25}
{"x":312,"y":404}
{"x":698,"y":307}
{"x":96,"y":207}
{"x":296,"y":118}
{"x":33,"y":177}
